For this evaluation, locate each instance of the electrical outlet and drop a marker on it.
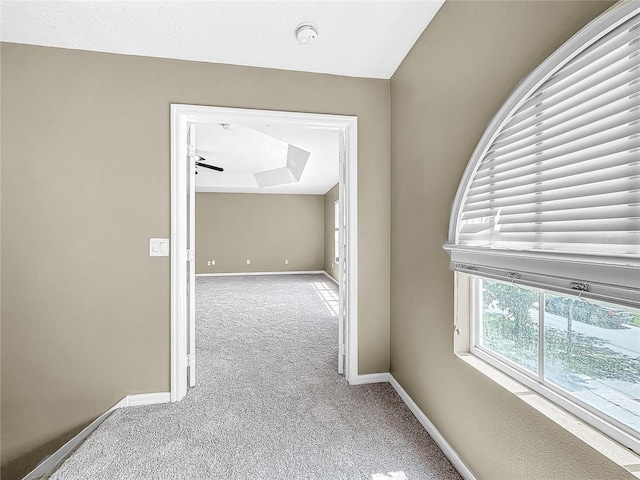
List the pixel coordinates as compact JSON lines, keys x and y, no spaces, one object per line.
{"x":248,"y":262}
{"x":286,"y":262}
{"x":209,"y":263}
{"x":213,"y":263}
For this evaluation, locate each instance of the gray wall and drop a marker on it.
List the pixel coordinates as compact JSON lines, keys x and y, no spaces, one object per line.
{"x":86,"y":182}
{"x":330,"y":266}
{"x":266,"y":229}
{"x":443,"y":95}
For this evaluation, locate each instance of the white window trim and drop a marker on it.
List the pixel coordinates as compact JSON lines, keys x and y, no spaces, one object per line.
{"x":609,"y":440}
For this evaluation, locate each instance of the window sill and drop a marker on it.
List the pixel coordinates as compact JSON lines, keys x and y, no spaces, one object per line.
{"x":606,"y":446}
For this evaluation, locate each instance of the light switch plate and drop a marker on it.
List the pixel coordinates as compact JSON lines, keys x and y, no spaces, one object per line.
{"x":158,"y":247}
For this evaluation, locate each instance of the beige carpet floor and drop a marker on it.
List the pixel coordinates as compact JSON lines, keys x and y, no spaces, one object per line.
{"x":268,"y":402}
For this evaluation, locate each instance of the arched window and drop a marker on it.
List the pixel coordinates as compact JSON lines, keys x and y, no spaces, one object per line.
{"x":547,"y":220}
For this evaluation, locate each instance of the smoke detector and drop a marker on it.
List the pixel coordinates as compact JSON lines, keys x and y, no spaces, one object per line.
{"x":306,"y":33}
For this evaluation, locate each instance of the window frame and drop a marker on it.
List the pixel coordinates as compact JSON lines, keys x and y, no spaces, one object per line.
{"x":535,"y":381}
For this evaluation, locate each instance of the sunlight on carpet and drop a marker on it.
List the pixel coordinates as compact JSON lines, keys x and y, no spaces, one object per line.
{"x":389,"y":476}
{"x":327,"y":292}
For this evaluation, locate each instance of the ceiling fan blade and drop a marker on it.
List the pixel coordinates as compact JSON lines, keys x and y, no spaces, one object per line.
{"x":211,"y":167}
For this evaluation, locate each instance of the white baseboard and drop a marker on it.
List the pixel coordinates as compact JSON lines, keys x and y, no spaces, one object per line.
{"x":431,"y":429}
{"x":371,"y":378}
{"x":240,"y":274}
{"x":53,"y":461}
{"x":331,"y":278}
{"x":147,"y":399}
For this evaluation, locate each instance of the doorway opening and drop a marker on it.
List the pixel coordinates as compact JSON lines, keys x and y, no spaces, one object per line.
{"x":184,"y":119}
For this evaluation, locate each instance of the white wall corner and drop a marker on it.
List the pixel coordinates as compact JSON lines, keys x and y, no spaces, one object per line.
{"x":431,"y":429}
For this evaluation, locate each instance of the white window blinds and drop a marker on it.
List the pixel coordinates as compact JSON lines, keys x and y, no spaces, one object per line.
{"x":551,"y":196}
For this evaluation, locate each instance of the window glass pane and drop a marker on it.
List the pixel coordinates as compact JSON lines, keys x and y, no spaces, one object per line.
{"x":509,"y":322}
{"x":593,"y":351}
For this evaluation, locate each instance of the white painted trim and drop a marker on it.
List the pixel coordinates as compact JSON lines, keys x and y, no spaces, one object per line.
{"x":331,"y":278}
{"x":53,"y":461}
{"x":178,"y":243}
{"x":371,"y":378}
{"x":181,"y":116}
{"x":240,"y":274}
{"x":147,"y":399}
{"x":431,"y":429}
{"x":351,"y":208}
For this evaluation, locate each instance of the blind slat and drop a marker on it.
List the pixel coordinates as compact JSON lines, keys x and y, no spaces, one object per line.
{"x":573,"y":179}
{"x":572,"y":105}
{"x":612,"y":200}
{"x":601,"y":71}
{"x":554,"y":130}
{"x":583,"y":116}
{"x":592,"y":225}
{"x":541,"y":172}
{"x":628,"y":143}
{"x":614,"y":41}
{"x":593,"y":213}
{"x":576,"y":192}
{"x":595,"y":135}
{"x":630,"y":240}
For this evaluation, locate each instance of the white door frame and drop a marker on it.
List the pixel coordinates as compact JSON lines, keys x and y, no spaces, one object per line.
{"x":181,"y":117}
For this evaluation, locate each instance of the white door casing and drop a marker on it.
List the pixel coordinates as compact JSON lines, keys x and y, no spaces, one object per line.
{"x":343,"y":335}
{"x":178,"y":246}
{"x":181,"y":190}
{"x":191,"y":257}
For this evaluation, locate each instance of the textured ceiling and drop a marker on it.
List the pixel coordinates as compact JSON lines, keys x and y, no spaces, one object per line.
{"x":357,"y":38}
{"x":244,"y":151}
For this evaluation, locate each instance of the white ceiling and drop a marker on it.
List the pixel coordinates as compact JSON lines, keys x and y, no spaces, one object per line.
{"x":365,"y":38}
{"x":246,"y":150}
